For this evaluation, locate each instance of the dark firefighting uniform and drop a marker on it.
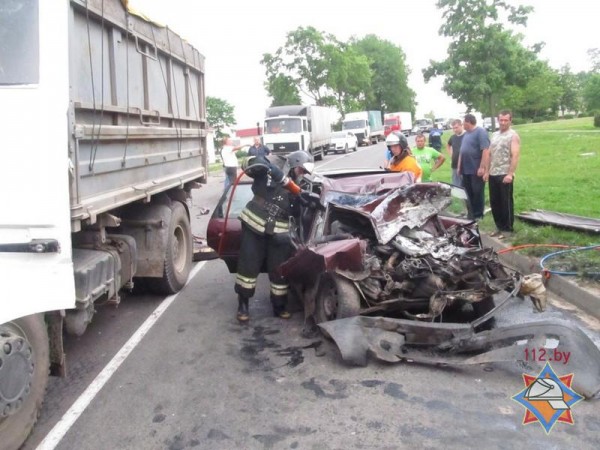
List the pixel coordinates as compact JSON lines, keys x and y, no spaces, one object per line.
{"x":265,"y":232}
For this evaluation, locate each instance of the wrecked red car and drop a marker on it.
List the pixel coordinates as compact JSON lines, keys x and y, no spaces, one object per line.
{"x":383,"y":244}
{"x":395,"y":270}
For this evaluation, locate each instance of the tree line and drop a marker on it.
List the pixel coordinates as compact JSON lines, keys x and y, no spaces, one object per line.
{"x":487,"y":68}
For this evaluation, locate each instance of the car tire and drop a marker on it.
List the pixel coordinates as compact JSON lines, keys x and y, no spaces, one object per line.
{"x":337,"y":298}
{"x":346,"y":149}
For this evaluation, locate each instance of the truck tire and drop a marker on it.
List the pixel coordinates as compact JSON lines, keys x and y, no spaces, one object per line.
{"x":319,"y":156}
{"x":337,"y":298}
{"x":25,"y":349}
{"x":178,"y":254}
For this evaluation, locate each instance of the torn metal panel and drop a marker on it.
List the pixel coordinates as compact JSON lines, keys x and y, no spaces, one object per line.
{"x":410,"y":206}
{"x":395,"y":340}
{"x":346,"y":254}
{"x":569,"y":221}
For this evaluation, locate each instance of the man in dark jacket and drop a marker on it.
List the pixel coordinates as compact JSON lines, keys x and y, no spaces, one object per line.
{"x":265,"y":226}
{"x":435,"y":138}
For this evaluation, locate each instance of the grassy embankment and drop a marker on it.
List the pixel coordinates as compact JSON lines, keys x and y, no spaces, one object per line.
{"x":559,"y":170}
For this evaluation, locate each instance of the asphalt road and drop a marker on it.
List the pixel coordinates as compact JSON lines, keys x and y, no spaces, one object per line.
{"x":198,"y":379}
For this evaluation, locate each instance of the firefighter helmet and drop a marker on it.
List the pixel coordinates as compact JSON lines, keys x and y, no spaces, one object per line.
{"x":300,"y":158}
{"x":397,"y":138}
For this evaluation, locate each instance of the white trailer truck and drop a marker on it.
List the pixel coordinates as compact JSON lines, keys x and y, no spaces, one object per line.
{"x":398,"y":121}
{"x":103,"y":137}
{"x":366,"y":126}
{"x":296,"y":127}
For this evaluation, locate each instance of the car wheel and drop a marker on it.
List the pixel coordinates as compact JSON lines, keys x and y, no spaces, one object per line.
{"x":337,"y":298}
{"x":346,"y":149}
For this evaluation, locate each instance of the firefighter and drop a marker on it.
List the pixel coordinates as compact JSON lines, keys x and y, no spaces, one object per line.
{"x":265,"y":226}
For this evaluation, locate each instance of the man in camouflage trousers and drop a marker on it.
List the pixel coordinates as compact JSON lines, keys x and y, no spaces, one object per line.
{"x":505,"y":148}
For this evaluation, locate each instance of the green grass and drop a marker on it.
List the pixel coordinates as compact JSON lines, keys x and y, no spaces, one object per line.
{"x":554,"y":173}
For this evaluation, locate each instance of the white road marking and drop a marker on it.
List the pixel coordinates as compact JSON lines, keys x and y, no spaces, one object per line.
{"x":55,"y":435}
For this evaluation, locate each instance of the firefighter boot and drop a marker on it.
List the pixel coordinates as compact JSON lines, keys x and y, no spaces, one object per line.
{"x":279,"y":309}
{"x":242,"y":313}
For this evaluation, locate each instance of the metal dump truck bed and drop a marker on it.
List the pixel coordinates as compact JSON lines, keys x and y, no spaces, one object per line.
{"x":137,"y":117}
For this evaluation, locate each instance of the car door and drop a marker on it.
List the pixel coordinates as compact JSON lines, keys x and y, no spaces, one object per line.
{"x":224,"y":229}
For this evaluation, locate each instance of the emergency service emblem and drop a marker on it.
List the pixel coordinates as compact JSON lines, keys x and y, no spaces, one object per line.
{"x":548,"y":398}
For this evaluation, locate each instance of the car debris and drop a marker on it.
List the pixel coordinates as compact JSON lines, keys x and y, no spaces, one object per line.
{"x":395,"y":270}
{"x":390,"y":274}
{"x":393,"y":253}
{"x":395,"y":340}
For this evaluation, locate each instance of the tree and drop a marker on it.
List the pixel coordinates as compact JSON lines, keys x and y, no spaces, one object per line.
{"x":594,"y":54}
{"x":570,"y":100}
{"x":219,"y":114}
{"x":349,"y":77}
{"x":283,"y":90}
{"x":591,"y":92}
{"x":484,"y":59}
{"x":360,"y":74}
{"x":302,"y":60}
{"x":388,"y":90}
{"x":540,"y":95}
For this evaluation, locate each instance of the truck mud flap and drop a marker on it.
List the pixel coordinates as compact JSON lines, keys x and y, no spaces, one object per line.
{"x":396,"y":340}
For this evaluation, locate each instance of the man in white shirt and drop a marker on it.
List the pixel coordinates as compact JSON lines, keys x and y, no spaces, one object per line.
{"x":230,"y":162}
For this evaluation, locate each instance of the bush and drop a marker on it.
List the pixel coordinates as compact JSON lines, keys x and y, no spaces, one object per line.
{"x":597,"y":119}
{"x":519,"y":121}
{"x":567,"y":116}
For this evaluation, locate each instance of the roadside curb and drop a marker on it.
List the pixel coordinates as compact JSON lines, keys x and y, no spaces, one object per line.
{"x":570,"y":291}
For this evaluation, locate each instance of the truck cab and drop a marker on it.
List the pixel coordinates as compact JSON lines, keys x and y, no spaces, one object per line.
{"x":297,"y":127}
{"x":286,"y":134}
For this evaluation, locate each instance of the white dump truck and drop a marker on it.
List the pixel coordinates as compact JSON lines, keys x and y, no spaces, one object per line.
{"x":103,"y":138}
{"x":366,"y":126}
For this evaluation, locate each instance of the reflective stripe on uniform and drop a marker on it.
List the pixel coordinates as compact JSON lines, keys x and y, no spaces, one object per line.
{"x":258,"y":224}
{"x":279,"y":289}
{"x":253,"y":221}
{"x":281,"y":227}
{"x":245,"y":282}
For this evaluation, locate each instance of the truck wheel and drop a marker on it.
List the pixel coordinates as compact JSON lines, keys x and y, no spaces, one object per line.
{"x":319,"y":156}
{"x":178,"y":255}
{"x":24,"y":366}
{"x":337,"y":298}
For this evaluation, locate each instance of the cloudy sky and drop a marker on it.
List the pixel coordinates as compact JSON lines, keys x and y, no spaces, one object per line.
{"x":234,"y":34}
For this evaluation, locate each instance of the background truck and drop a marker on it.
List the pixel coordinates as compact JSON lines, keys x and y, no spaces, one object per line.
{"x":397,"y":121}
{"x":423,"y":126}
{"x":296,"y":127}
{"x":366,"y":126}
{"x":103,"y":138}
